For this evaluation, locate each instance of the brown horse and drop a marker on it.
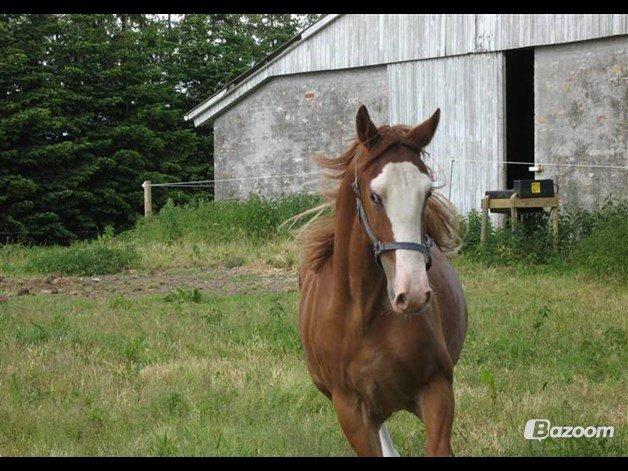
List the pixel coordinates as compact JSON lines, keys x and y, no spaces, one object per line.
{"x":382,"y":333}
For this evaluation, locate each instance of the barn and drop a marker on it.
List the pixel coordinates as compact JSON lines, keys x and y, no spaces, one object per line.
{"x":550,"y":90}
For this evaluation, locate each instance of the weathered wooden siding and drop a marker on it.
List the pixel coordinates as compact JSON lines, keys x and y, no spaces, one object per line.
{"x":509,"y":31}
{"x":363,"y":40}
{"x":470,"y":92}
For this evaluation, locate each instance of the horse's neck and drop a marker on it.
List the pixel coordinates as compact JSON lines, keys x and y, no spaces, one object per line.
{"x":358,"y":280}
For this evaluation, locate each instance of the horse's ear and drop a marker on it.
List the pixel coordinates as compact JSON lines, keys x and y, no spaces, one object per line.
{"x":422,"y":134}
{"x":366,"y":130}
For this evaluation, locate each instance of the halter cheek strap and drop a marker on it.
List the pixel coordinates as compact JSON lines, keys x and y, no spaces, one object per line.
{"x":378,"y":246}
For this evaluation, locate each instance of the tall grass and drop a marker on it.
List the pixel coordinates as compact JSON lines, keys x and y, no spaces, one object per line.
{"x":219,"y":233}
{"x":594,"y":242}
{"x":104,"y":255}
{"x":231,"y":233}
{"x":256,"y":219}
{"x":82,"y":259}
{"x":200,"y":233}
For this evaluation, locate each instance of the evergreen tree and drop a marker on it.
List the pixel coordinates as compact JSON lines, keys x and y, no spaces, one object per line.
{"x":32,"y":147}
{"x":92,"y":105}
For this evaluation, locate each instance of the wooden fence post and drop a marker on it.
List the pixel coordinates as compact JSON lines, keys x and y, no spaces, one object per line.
{"x":513,"y":213}
{"x":484,"y":228}
{"x":148,"y":203}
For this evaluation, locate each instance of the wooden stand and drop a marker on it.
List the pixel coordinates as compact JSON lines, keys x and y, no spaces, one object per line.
{"x":512,"y":204}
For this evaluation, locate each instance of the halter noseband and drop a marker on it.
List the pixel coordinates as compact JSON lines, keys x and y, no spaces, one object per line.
{"x":378,"y":246}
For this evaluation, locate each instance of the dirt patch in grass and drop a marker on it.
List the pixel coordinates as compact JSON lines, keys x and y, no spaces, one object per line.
{"x":226,"y":281}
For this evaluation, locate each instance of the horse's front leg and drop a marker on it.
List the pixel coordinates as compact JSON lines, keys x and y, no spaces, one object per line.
{"x":436,"y":409}
{"x":361,"y":431}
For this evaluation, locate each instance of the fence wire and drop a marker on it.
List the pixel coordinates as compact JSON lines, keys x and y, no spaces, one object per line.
{"x":212,"y":183}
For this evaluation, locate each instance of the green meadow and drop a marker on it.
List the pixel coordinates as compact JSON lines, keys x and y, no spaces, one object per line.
{"x":192,"y":371}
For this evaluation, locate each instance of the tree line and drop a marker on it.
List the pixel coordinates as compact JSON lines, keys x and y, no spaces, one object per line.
{"x":92,"y":105}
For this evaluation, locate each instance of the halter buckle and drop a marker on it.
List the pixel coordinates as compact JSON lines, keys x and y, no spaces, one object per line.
{"x":377,"y":248}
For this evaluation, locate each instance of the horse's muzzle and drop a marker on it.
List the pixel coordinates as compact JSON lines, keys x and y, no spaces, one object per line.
{"x":405,"y":301}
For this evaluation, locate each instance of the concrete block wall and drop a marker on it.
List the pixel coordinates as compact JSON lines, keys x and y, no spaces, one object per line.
{"x":581,"y":107}
{"x":279,"y":126}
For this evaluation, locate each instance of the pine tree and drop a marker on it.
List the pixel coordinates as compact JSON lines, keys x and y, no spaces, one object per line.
{"x":92,"y":105}
{"x":32,"y":146}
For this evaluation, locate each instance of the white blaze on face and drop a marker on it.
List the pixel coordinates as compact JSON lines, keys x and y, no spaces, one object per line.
{"x":403,"y":188}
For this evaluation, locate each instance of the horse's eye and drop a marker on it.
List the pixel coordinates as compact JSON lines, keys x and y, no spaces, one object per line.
{"x":375,"y":198}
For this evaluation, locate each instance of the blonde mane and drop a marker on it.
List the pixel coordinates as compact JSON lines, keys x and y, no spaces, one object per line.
{"x":441,"y":219}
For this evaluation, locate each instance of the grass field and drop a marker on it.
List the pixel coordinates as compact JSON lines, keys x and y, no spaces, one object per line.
{"x":208,"y":373}
{"x":179,"y":337}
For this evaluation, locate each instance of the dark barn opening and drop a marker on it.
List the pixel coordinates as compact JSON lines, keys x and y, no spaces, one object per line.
{"x":519,"y":114}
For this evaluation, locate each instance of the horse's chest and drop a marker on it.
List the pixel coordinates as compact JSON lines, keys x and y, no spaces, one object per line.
{"x":386,"y":381}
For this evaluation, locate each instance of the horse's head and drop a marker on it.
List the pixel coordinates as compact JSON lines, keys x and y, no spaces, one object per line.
{"x":394,"y":186}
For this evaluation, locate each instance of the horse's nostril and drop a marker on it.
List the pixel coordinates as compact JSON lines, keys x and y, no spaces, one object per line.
{"x":401,"y":301}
